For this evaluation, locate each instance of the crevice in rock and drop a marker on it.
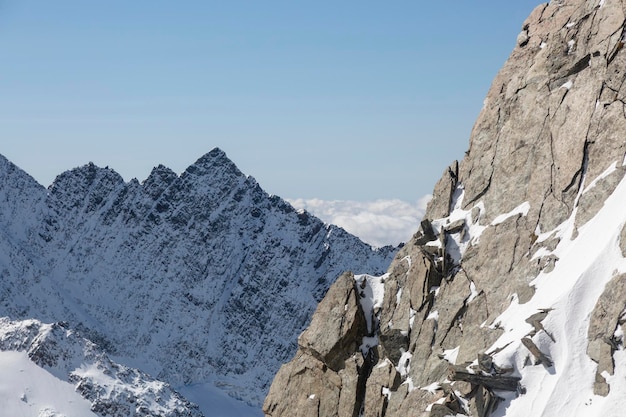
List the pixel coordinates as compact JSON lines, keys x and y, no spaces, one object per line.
{"x":579,"y":66}
{"x":365,"y":371}
{"x":456,"y":319}
{"x":618,"y":46}
{"x":484,"y":190}
{"x":454,"y":182}
{"x":579,"y":176}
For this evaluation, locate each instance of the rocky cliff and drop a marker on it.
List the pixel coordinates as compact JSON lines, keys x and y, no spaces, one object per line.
{"x":511,"y":297}
{"x":194,"y":278}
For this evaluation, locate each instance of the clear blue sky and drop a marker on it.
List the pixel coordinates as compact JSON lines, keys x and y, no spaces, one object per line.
{"x":326,"y":99}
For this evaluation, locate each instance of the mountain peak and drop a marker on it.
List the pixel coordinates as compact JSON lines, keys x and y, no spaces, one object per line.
{"x":212,"y":163}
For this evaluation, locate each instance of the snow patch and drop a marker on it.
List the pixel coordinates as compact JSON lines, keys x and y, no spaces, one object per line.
{"x":521,"y":209}
{"x":473,"y":293}
{"x":432,"y":388}
{"x":571,"y":291}
{"x":367,"y":343}
{"x":371,"y":295}
{"x":570,"y":46}
{"x":450,"y":355}
{"x":404,"y":363}
{"x":30,"y":391}
{"x":433,"y":315}
{"x":612,"y":168}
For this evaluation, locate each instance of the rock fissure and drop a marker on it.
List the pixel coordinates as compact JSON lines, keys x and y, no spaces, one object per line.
{"x":535,"y":144}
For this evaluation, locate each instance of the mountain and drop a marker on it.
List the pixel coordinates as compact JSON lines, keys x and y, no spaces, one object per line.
{"x":511,"y":298}
{"x":198,"y":280}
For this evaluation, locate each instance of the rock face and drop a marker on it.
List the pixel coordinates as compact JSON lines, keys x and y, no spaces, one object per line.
{"x":201,"y":277}
{"x":513,"y":286}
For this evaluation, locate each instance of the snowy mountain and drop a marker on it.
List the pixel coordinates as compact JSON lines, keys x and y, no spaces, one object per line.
{"x":510,"y":300}
{"x":198,"y":280}
{"x":53,"y":371}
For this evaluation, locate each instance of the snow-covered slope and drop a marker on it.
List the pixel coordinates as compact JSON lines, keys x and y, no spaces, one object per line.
{"x":197,"y":278}
{"x":49,"y":370}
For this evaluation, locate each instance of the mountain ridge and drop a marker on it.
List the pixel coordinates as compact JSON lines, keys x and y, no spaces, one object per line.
{"x":165,"y":274}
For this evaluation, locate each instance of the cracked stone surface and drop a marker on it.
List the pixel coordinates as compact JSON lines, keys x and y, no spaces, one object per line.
{"x":551,"y":134}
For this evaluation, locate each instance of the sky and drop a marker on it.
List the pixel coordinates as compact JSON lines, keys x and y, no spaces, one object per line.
{"x":320,"y":101}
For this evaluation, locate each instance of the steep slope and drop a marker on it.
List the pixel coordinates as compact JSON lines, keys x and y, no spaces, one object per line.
{"x":196,"y":278}
{"x":55,"y":367}
{"x":510,"y":299}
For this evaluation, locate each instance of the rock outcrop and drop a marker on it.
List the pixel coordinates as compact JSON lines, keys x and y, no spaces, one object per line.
{"x":516,"y":275}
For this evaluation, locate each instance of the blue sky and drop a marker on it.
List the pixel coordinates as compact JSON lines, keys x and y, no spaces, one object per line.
{"x":330,"y":100}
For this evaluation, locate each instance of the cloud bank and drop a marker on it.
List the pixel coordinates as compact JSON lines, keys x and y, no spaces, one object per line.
{"x":379,"y":222}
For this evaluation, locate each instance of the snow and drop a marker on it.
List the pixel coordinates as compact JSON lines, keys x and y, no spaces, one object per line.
{"x":473,"y":293}
{"x":373,"y":294}
{"x":409,"y":383}
{"x":570,"y":46}
{"x":459,"y":242}
{"x":432,"y":388}
{"x":26,"y":390}
{"x":568,"y":84}
{"x":404,"y":363}
{"x":433,"y":315}
{"x":450,"y":355}
{"x":412,"y":314}
{"x":600,"y":177}
{"x":367,"y":343}
{"x":521,"y":209}
{"x":176,"y":276}
{"x":572,"y":289}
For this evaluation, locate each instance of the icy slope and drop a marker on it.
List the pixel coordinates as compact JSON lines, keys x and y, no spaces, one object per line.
{"x":196,"y":278}
{"x":587,"y":262}
{"x":49,"y":370}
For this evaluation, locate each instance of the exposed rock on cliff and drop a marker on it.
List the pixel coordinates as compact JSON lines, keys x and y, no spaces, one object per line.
{"x":509,"y":298}
{"x":200,"y":277}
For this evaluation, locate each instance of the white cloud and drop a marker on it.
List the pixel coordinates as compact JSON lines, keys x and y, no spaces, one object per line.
{"x":379,"y":222}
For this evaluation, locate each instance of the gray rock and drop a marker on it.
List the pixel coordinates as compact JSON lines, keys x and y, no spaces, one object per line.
{"x":337,"y":326}
{"x":592,"y":200}
{"x":604,"y":321}
{"x":552,"y":123}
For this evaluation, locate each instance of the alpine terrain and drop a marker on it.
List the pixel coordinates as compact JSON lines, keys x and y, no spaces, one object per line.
{"x":510,"y":299}
{"x":118,"y":295}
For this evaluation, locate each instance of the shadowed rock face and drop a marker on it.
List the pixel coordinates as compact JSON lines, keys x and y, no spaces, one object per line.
{"x":548,"y":146}
{"x":200,"y":277}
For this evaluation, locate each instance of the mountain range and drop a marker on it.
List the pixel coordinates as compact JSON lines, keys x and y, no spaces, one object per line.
{"x":198,"y":281}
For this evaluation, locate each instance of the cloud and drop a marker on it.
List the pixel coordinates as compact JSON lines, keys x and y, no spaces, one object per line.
{"x":379,"y":222}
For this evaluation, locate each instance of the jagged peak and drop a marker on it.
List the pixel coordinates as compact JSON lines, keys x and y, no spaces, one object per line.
{"x":158,"y":180}
{"x":162,"y":173}
{"x":85,"y":176}
{"x":213,"y":162}
{"x":8,"y":169}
